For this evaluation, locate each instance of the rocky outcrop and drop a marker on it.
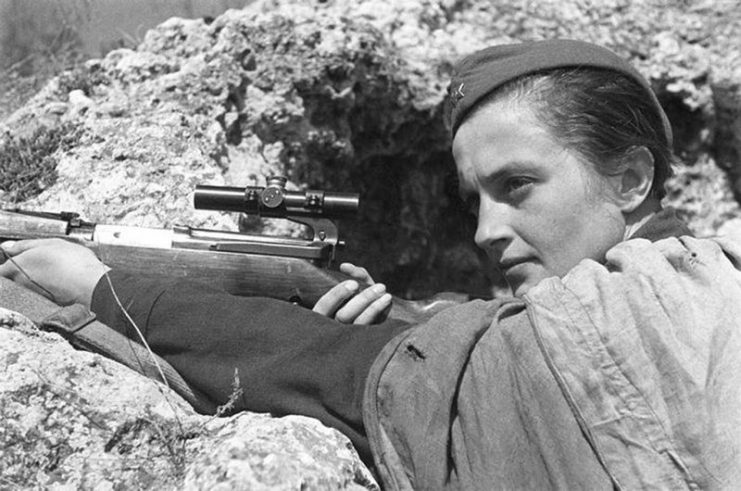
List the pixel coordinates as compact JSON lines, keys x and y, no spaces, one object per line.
{"x":347,"y":96}
{"x":340,"y":95}
{"x":76,"y":420}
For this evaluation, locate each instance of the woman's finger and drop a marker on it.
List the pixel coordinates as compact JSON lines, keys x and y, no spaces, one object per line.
{"x":8,"y":269}
{"x":336,"y":298}
{"x":13,"y":247}
{"x":357,"y":305}
{"x":375,"y":312}
{"x":358,"y":273}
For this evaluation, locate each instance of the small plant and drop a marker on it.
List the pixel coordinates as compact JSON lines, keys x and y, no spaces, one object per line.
{"x":28,"y":164}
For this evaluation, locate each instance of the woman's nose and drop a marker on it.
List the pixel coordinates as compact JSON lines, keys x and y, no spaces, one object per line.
{"x":494,"y":231}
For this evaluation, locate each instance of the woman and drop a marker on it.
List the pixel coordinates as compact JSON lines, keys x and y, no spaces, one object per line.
{"x":614,"y":364}
{"x":590,"y":131}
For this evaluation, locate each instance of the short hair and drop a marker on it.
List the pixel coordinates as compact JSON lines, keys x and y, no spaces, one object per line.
{"x":598,"y":113}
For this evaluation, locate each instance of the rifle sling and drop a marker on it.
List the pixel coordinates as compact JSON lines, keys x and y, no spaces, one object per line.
{"x":78,"y":326}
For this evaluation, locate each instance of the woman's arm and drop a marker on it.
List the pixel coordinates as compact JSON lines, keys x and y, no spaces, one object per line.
{"x":287,"y":359}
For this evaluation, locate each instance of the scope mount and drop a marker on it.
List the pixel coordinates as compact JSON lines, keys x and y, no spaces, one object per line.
{"x":312,"y":208}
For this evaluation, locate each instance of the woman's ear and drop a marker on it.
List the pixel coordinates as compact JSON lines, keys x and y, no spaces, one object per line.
{"x":633,"y":183}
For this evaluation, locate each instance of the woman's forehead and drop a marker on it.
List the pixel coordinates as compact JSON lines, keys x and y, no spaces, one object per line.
{"x":506,"y":138}
{"x":502,"y":123}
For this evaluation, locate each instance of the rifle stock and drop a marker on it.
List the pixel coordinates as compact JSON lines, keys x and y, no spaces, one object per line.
{"x":284,"y":278}
{"x":241,"y":264}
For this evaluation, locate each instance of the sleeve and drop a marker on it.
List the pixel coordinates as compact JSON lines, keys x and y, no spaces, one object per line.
{"x":287,"y":359}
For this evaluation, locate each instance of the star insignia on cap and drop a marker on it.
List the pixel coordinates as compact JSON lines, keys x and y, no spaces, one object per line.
{"x":457,"y":94}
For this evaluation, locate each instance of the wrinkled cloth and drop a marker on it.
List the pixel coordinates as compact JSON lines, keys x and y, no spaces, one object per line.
{"x":285,"y":358}
{"x":645,"y":355}
{"x":466,"y":401}
{"x":648,"y":351}
{"x":293,"y":361}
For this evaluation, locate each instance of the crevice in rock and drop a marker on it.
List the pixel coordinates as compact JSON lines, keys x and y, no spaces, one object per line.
{"x":727,"y":133}
{"x":688,"y":127}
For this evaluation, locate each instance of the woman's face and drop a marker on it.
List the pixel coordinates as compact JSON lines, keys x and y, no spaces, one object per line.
{"x":540,"y":208}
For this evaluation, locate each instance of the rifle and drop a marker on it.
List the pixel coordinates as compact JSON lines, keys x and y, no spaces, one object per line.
{"x":286,"y":268}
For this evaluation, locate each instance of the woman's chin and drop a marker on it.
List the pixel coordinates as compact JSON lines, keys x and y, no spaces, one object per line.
{"x":523,"y":277}
{"x":520,"y":289}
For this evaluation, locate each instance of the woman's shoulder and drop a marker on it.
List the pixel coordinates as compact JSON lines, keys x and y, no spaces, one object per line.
{"x":664,"y":224}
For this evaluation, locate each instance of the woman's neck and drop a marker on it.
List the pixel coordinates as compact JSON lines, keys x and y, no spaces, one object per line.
{"x":638,"y":217}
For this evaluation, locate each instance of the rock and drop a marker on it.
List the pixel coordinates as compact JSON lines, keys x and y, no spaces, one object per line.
{"x":260,"y":452}
{"x":346,"y":96}
{"x":57,"y":108}
{"x":78,"y":98}
{"x":731,"y":229}
{"x":727,"y":101}
{"x":76,"y":420}
{"x":703,"y":196}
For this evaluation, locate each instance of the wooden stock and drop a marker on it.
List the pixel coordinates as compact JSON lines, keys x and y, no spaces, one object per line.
{"x":282,"y":277}
{"x":285,"y":278}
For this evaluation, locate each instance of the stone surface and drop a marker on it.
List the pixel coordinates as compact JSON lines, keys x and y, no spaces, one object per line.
{"x":347,"y":95}
{"x":76,"y":420}
{"x":341,"y":95}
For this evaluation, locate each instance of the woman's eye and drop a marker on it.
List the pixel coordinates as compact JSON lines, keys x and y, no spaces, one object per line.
{"x":517,"y":184}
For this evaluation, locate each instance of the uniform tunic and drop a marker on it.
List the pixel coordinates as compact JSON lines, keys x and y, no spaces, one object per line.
{"x":288,"y":359}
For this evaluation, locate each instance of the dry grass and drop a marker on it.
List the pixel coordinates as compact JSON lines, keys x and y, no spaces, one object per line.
{"x":28,"y":165}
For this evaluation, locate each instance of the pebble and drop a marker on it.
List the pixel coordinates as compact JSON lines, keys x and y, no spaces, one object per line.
{"x":58,"y":108}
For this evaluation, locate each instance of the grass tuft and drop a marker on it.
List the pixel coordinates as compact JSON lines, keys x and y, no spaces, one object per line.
{"x":28,"y":164}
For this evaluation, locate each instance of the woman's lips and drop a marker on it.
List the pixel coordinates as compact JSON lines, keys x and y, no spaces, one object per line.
{"x":507,"y":265}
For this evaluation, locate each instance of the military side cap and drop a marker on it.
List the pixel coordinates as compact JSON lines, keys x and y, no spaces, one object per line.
{"x":482,"y":72}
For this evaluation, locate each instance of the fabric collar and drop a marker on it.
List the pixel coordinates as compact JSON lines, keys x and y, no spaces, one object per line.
{"x":662,"y":225}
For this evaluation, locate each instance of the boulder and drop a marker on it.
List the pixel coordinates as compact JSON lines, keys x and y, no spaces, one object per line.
{"x":77,"y":420}
{"x":347,"y":96}
{"x":340,"y":95}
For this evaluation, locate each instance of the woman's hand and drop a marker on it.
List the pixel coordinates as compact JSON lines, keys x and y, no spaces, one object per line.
{"x":64,"y":272}
{"x":346,"y":302}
